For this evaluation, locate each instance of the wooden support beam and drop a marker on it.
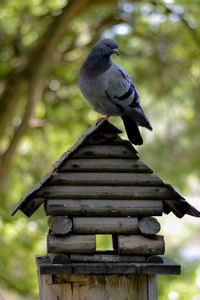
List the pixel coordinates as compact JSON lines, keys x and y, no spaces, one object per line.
{"x":167,"y":266}
{"x":94,"y":225}
{"x":105,"y":151}
{"x":71,"y":244}
{"x":149,"y":226}
{"x":114,"y":179}
{"x":105,"y":139}
{"x":140,"y":245}
{"x":60,"y":224}
{"x":104,"y":207}
{"x":104,"y":165}
{"x":105,"y":192}
{"x":101,"y":257}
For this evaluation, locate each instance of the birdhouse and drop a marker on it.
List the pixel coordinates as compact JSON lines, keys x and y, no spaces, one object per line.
{"x":100,"y":186}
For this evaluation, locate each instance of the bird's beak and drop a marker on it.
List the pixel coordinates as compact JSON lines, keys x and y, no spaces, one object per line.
{"x":115,"y":51}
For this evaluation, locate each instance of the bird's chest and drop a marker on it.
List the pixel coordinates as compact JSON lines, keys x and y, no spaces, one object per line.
{"x":93,"y":86}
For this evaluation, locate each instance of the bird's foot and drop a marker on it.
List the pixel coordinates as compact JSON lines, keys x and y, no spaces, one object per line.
{"x":106,"y":117}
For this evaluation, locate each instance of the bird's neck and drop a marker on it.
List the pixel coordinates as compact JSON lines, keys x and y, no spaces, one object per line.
{"x":97,"y":63}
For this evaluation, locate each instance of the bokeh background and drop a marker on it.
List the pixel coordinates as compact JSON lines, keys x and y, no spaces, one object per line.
{"x":42,"y":113}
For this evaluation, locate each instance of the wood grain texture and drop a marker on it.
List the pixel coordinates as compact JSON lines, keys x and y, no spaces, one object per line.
{"x":71,"y":244}
{"x":104,"y":207}
{"x":152,"y":287}
{"x":60,"y":224}
{"x":114,"y":179}
{"x":167,"y":266}
{"x":94,"y":225}
{"x":105,"y":151}
{"x":107,"y":257}
{"x":149,"y":226}
{"x":105,"y":192}
{"x":105,"y":139}
{"x":104,"y":165}
{"x":140,"y":245}
{"x":93,"y":287}
{"x":32,"y":206}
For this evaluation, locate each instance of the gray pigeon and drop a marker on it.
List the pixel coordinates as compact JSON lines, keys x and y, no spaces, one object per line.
{"x":109,"y":89}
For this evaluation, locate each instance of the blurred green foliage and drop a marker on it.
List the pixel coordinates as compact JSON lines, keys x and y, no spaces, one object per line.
{"x":160,"y":45}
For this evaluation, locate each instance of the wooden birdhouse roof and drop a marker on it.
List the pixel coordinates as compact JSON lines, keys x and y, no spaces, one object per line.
{"x":103,"y":166}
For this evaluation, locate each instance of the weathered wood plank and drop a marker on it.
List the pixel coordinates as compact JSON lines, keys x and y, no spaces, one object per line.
{"x":105,"y":139}
{"x":105,"y":151}
{"x":93,"y":178}
{"x":94,"y":287}
{"x":140,"y":245}
{"x":149,"y":226}
{"x":60,"y":224}
{"x":105,"y":225}
{"x":125,"y":287}
{"x":104,"y":165}
{"x":29,"y":207}
{"x":152,"y":287}
{"x":105,"y":192}
{"x":71,"y":244}
{"x":100,"y":257}
{"x":166,"y":267}
{"x":104,"y":207}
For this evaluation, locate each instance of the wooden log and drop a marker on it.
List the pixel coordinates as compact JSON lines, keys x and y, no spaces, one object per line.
{"x":71,"y":244}
{"x":140,"y":245}
{"x":105,"y":139}
{"x":105,"y":192}
{"x":104,"y":207}
{"x":116,"y":179}
{"x":60,"y":224}
{"x":149,"y":226}
{"x":60,"y":258}
{"x":105,"y":151}
{"x":105,"y":225}
{"x":107,"y":257}
{"x":104,"y":165}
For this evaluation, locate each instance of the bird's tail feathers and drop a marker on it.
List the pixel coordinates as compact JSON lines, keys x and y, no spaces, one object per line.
{"x":132,"y":130}
{"x":137,"y":114}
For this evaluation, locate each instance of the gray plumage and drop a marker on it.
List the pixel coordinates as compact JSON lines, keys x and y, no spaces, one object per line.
{"x":109,"y":89}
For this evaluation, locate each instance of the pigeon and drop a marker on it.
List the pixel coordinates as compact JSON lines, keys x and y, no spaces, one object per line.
{"x":110,"y":90}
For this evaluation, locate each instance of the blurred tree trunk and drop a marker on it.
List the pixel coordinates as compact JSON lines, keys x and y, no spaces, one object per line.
{"x":30,"y":76}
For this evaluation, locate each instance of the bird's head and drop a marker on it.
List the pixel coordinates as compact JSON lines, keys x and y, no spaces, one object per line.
{"x":106,"y":47}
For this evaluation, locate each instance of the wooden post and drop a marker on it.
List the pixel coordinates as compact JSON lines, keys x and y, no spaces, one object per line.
{"x":98,"y":287}
{"x":81,"y":280}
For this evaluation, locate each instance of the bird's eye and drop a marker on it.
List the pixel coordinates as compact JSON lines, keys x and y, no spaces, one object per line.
{"x":108,"y":45}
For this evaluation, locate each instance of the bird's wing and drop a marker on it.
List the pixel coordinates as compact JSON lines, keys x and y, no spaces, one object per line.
{"x":122,"y":92}
{"x":120,"y":87}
